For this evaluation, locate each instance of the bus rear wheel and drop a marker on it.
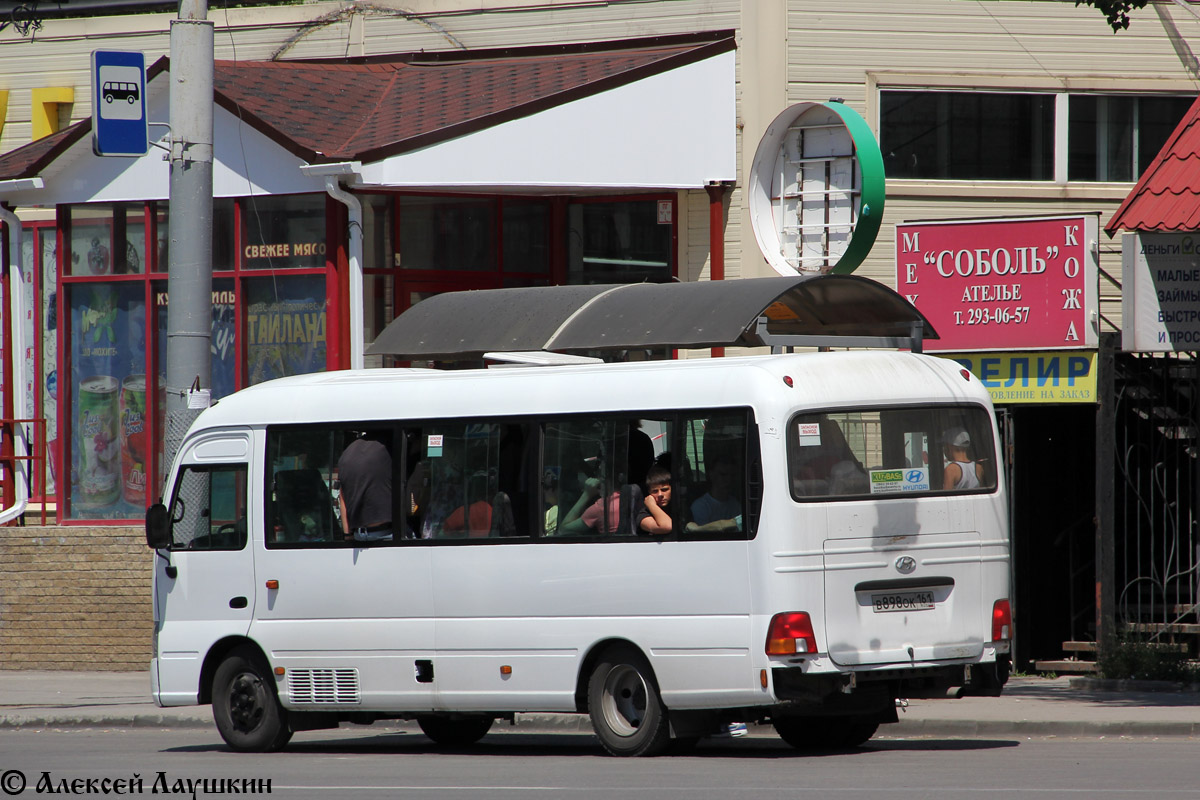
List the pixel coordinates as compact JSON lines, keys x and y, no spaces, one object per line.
{"x":623,"y":701}
{"x":455,"y":732}
{"x":824,"y":733}
{"x":245,"y":706}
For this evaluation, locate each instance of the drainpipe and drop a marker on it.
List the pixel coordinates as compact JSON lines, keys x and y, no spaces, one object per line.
{"x":332,"y":174}
{"x":17,"y":304}
{"x":716,"y":237}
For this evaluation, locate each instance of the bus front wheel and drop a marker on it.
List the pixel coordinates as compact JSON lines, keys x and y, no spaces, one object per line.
{"x":455,"y":732}
{"x":824,"y":733}
{"x":245,"y":706}
{"x":623,"y":701}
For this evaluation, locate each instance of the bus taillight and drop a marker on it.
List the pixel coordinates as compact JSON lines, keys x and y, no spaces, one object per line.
{"x":790,"y":633}
{"x":1001,"y":620}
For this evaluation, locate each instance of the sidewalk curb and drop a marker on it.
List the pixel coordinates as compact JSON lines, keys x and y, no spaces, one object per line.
{"x":1131,"y":685}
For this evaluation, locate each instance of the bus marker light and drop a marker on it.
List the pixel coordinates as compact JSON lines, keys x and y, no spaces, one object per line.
{"x":272,"y":584}
{"x":1001,"y":620}
{"x":790,"y":633}
{"x":966,"y":374}
{"x":506,"y":670}
{"x":788,"y":380}
{"x":762,"y":677}
{"x":280,"y":671}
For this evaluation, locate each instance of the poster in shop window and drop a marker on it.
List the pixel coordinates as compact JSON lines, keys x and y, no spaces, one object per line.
{"x":1003,"y":284}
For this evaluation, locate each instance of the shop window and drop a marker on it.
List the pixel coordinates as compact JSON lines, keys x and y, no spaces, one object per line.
{"x":107,"y":240}
{"x":964,"y":135}
{"x":525,"y":236}
{"x":618,"y":242}
{"x":39,"y":248}
{"x":286,"y":326}
{"x":283,"y":232}
{"x":446,"y":234}
{"x":222,"y":235}
{"x":108,"y":464}
{"x":377,"y":231}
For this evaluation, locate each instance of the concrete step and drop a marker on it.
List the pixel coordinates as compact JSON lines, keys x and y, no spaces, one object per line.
{"x":1065,"y":666}
{"x":1079,"y":647}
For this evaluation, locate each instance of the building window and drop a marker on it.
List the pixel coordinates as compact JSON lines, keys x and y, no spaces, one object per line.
{"x":1114,"y":137}
{"x":965,"y":135}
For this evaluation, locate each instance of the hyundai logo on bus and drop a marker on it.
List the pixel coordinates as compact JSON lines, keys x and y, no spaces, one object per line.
{"x":906,"y":564}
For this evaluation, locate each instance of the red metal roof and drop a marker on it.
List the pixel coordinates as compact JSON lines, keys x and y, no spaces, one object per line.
{"x":369,"y":109}
{"x":1167,"y":197}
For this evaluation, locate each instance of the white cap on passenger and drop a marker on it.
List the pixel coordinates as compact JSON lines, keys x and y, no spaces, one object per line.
{"x":957,"y":437}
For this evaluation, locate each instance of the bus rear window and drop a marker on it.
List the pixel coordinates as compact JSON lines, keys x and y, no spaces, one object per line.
{"x":891,"y":452}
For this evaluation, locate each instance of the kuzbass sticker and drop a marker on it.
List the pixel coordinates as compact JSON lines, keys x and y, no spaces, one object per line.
{"x":894,"y":481}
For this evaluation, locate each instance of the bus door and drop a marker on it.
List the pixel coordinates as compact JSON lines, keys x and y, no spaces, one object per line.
{"x":350,"y":621}
{"x":204,"y":582}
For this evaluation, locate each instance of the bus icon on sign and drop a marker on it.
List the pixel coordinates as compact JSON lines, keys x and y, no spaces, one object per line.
{"x":119,"y":90}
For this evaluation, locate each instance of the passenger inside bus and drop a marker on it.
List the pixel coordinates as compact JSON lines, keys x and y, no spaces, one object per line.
{"x":474,"y":518}
{"x":654,"y":519}
{"x":961,"y":471}
{"x":365,"y":499}
{"x":718,"y":509}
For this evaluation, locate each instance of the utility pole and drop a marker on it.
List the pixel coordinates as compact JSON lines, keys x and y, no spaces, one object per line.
{"x":189,"y":276}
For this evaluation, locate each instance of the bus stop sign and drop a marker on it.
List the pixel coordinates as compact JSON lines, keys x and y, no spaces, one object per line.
{"x":119,"y":126}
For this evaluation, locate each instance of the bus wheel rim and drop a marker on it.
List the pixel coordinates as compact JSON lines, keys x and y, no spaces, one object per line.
{"x":624,"y":700}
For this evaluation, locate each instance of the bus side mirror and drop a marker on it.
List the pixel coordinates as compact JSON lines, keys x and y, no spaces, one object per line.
{"x":158,"y":527}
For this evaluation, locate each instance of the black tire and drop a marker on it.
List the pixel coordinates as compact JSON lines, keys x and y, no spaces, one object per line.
{"x":824,"y":733}
{"x":455,"y":732}
{"x":108,"y":98}
{"x":245,"y":704}
{"x":623,"y":701}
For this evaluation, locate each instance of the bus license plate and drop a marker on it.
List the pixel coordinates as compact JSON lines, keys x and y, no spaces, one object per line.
{"x":902,"y":601}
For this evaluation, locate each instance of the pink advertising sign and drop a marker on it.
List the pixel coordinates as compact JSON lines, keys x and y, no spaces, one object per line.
{"x":1003,"y":284}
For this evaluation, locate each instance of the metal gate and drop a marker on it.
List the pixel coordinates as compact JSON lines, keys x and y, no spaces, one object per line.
{"x":1156,"y":482}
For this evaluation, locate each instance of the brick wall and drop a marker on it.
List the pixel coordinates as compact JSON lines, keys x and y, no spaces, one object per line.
{"x":75,"y":598}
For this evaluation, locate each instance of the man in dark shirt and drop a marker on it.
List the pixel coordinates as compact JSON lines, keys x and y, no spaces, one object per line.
{"x":365,"y":473}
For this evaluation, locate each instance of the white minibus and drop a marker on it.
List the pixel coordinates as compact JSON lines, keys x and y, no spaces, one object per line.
{"x":838,"y":540}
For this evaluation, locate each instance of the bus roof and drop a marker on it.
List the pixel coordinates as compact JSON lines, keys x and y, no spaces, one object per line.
{"x":819,"y":380}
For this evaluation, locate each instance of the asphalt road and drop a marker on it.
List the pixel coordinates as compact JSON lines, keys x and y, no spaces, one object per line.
{"x":364,"y":763}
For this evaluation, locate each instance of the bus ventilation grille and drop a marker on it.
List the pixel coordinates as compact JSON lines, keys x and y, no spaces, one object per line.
{"x":323,"y":686}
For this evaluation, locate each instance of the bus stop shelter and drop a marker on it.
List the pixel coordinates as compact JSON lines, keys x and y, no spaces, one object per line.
{"x":778,"y":312}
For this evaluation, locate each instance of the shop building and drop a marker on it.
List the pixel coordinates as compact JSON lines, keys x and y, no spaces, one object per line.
{"x":532,"y":143}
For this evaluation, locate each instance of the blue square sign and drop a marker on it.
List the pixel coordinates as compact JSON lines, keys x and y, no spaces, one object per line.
{"x":119,"y":126}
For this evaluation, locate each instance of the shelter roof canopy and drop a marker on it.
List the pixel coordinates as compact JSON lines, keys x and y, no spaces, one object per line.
{"x":464,"y":325}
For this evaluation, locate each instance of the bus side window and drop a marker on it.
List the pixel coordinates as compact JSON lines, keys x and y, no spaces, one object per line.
{"x":302,"y":506}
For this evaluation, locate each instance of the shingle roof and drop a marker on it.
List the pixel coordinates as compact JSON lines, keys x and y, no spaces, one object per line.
{"x":369,"y":109}
{"x":1167,"y":197}
{"x":378,"y":108}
